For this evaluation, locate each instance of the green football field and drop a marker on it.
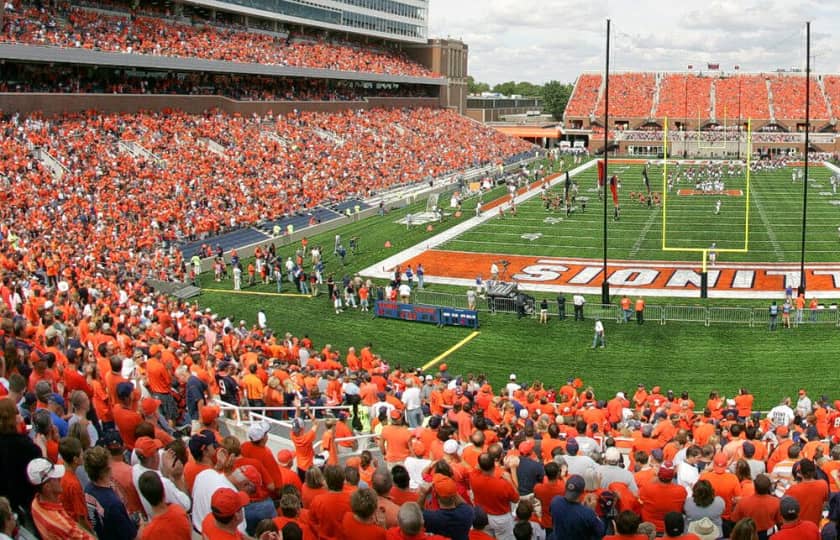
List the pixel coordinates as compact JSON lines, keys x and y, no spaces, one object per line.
{"x":774,"y":227}
{"x":680,"y":356}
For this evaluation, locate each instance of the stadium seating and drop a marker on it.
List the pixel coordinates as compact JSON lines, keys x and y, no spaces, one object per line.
{"x":684,"y":96}
{"x":789,"y":98}
{"x":749,"y":92}
{"x":185,"y":191}
{"x":832,"y":91}
{"x":631,"y":95}
{"x":68,"y":79}
{"x":161,"y":37}
{"x":585,"y":95}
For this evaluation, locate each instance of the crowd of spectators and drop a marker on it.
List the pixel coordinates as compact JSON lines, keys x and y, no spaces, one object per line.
{"x":789,"y":98}
{"x":744,"y":96}
{"x":585,"y":95}
{"x":110,"y":205}
{"x":140,"y":34}
{"x":69,"y":79}
{"x":100,"y":379}
{"x":631,"y":95}
{"x":684,"y":96}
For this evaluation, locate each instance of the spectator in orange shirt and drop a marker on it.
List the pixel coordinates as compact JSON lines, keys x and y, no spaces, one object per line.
{"x":394,"y":440}
{"x":126,"y":418}
{"x":72,"y":494}
{"x":167,"y":520}
{"x":794,"y":528}
{"x":328,"y":509}
{"x":661,"y":496}
{"x":360,"y":523}
{"x":226,"y":514}
{"x":256,"y":448}
{"x":810,"y":492}
{"x":726,"y":486}
{"x":50,"y":518}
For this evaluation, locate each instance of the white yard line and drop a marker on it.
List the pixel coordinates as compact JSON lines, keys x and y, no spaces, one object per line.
{"x":645,"y":230}
{"x":777,"y":249}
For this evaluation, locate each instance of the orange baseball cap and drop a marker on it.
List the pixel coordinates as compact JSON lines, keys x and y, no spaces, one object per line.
{"x":285,"y":457}
{"x":720,"y":462}
{"x":418,"y":448}
{"x":227,"y":502}
{"x":444,"y":486}
{"x":149,"y":406}
{"x":146,"y":446}
{"x":208,"y":413}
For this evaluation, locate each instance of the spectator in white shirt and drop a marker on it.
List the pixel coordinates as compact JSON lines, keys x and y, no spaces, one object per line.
{"x":168,"y":468}
{"x":413,"y":405}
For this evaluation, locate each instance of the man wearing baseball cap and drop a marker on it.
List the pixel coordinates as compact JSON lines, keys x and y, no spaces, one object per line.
{"x":255,"y":448}
{"x":454,"y":517}
{"x":202,"y":447}
{"x":226,"y":515}
{"x":572,"y":520}
{"x":661,"y":496}
{"x":792,"y":527}
{"x":48,"y":514}
{"x":149,"y":459}
{"x":126,"y":417}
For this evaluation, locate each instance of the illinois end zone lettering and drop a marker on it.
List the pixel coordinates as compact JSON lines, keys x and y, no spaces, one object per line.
{"x":654,"y":278}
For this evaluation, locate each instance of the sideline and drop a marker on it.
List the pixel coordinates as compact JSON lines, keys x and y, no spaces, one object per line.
{"x":450,"y":350}
{"x":258,"y":293}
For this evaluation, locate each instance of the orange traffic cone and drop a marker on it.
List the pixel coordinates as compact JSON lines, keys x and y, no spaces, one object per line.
{"x":387,"y":243}
{"x":429,"y":228}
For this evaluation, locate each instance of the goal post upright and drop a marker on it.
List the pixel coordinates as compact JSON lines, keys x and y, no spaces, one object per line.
{"x":664,"y":182}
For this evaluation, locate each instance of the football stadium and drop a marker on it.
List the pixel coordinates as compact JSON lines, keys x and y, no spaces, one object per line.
{"x":284,"y":269}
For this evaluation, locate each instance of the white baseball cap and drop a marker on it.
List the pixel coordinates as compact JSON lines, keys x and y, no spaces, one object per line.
{"x":128,"y":368}
{"x":450,"y":447}
{"x":612,"y":455}
{"x":258,"y":430}
{"x":40,"y":470}
{"x":513,"y":376}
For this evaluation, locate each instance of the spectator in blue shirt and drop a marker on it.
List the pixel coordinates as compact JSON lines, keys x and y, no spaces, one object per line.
{"x":572,"y":520}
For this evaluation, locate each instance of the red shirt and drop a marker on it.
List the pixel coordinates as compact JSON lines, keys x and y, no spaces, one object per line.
{"x":812,"y":495}
{"x":494,"y":495}
{"x":544,"y":493}
{"x":658,"y":499}
{"x":800,"y":530}
{"x":173,"y":523}
{"x":127,"y":421}
{"x":211,"y":531}
{"x":353,"y":529}
{"x":327,"y":513}
{"x":763,"y":509}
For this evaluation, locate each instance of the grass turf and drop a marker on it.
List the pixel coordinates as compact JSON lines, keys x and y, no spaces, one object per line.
{"x":679,"y":356}
{"x":774,"y":231}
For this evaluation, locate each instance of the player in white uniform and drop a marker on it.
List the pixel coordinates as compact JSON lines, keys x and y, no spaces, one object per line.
{"x":717,"y":207}
{"x":713,"y":254}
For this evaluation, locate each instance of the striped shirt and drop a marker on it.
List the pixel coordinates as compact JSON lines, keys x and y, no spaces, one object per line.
{"x":54,"y":523}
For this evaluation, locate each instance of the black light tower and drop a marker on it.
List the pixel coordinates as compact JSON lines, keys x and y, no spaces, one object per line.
{"x":605,"y":286}
{"x":807,"y":145}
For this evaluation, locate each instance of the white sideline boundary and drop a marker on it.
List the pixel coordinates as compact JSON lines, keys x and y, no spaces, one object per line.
{"x":381,"y":270}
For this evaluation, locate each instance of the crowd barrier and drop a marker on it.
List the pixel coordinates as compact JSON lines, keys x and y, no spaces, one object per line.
{"x":707,"y":316}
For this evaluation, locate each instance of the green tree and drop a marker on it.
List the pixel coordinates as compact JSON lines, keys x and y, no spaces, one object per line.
{"x":506,"y":88}
{"x":555,"y":97}
{"x":474,"y":87}
{"x":527,"y":89}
